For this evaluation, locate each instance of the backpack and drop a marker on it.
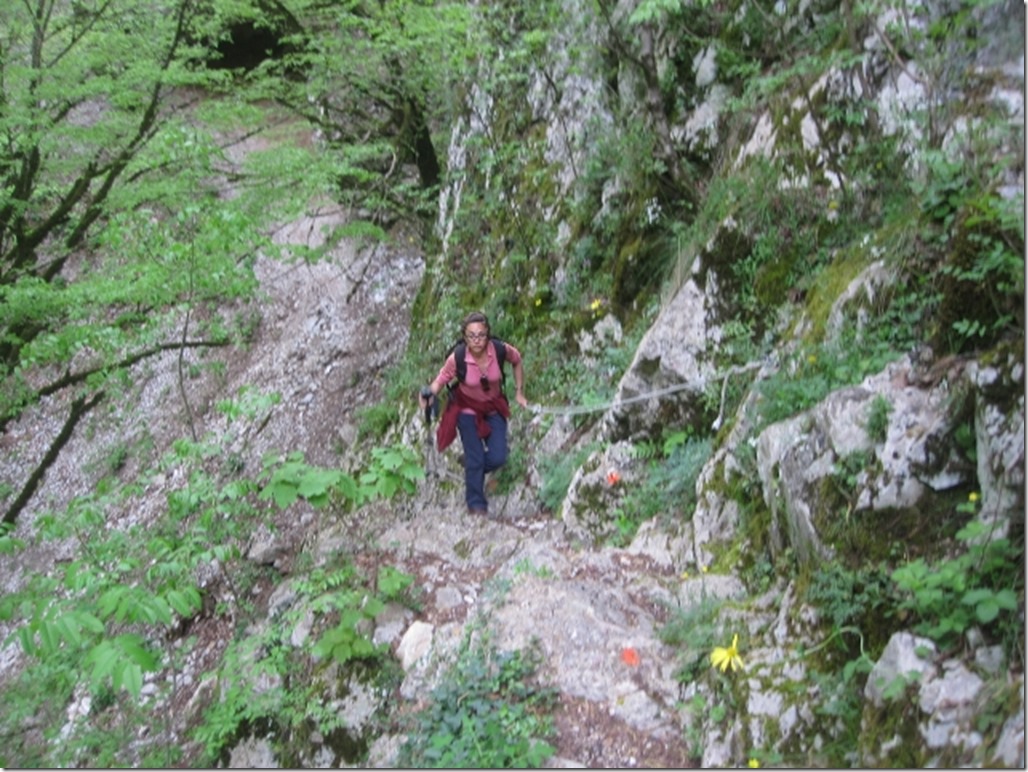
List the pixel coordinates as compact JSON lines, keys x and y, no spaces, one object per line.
{"x":459,"y":351}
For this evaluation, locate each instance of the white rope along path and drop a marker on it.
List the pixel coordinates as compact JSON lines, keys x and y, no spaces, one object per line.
{"x":580,"y":409}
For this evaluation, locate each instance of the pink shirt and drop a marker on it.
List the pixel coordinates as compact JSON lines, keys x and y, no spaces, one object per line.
{"x":473,"y":382}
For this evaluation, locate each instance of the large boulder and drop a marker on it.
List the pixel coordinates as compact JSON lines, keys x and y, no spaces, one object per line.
{"x":674,"y":363}
{"x":868,"y":463}
{"x":922,"y":710}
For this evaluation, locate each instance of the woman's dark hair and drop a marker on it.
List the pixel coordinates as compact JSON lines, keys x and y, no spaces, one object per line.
{"x":473,"y":318}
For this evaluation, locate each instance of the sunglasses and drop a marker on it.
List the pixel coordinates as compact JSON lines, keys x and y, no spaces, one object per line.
{"x":476,"y":335}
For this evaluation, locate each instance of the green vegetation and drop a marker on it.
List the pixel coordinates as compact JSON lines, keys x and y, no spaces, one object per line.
{"x":695,"y":631}
{"x":699,"y":632}
{"x":668,"y":487}
{"x":266,"y":680}
{"x":130,"y":229}
{"x":558,"y":477}
{"x":107,"y":621}
{"x":392,"y":470}
{"x":981,"y":586}
{"x":488,"y":713}
{"x":878,"y":418}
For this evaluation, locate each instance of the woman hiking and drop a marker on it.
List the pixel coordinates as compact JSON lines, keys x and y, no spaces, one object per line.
{"x":477,"y":408}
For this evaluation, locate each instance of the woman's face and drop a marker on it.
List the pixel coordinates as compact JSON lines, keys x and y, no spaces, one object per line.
{"x":476,"y":335}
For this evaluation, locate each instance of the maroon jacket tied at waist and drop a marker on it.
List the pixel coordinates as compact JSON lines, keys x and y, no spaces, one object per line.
{"x":447,"y":429}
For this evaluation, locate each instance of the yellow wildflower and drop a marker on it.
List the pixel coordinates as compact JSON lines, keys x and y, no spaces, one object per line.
{"x":538,"y":301}
{"x":973,"y":497}
{"x":727,"y":658}
{"x":753,"y":764}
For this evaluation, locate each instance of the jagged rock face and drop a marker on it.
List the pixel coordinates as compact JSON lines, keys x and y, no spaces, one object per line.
{"x":911,"y":472}
{"x":588,"y":509}
{"x":803,"y":462}
{"x":938,"y":721}
{"x":999,"y":435}
{"x":674,"y":363}
{"x":670,"y":356}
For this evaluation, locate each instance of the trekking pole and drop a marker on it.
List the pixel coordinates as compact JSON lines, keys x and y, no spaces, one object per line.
{"x":431,"y":410}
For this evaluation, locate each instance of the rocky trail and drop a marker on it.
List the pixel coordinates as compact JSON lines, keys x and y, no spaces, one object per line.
{"x":594,"y":614}
{"x":326,"y":334}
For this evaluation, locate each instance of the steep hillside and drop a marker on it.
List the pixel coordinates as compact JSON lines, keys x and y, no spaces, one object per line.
{"x":766,"y":507}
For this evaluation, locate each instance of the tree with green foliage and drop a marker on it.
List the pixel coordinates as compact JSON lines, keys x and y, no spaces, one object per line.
{"x":112,"y":228}
{"x":378,"y":81}
{"x":125,"y":226}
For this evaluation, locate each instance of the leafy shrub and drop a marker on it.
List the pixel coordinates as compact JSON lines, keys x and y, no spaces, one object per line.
{"x":513,"y":472}
{"x":694,"y":631}
{"x":375,"y":420}
{"x":112,"y":616}
{"x":557,"y":477}
{"x":487,"y":713}
{"x":295,"y":700}
{"x":815,"y":373}
{"x":982,"y":586}
{"x":858,"y":597}
{"x":392,"y":470}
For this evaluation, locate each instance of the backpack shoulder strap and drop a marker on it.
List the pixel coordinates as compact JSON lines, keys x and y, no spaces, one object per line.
{"x":501,"y":356}
{"x":459,"y":350}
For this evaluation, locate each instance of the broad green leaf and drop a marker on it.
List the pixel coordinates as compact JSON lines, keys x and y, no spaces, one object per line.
{"x":392,"y":581}
{"x":185,"y":602}
{"x":130,"y":678}
{"x":133,"y":647}
{"x":373,"y":607}
{"x":348,"y":487}
{"x":987,"y":610}
{"x":104,"y":657}
{"x":69,"y":630}
{"x":284,"y":494}
{"x":317,"y":482}
{"x":1006,"y":599}
{"x":89,"y":622}
{"x":49,"y":636}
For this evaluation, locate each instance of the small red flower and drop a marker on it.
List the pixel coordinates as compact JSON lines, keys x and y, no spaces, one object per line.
{"x":613,"y":478}
{"x":630,"y":656}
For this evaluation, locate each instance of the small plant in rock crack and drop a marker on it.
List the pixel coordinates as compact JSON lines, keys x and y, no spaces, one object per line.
{"x":878,"y":418}
{"x":487,"y":713}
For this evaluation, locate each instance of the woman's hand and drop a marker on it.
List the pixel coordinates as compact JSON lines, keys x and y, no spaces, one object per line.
{"x":425,"y":396}
{"x":519,"y":397}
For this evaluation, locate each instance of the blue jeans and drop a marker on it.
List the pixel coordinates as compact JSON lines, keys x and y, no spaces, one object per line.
{"x":481,"y":456}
